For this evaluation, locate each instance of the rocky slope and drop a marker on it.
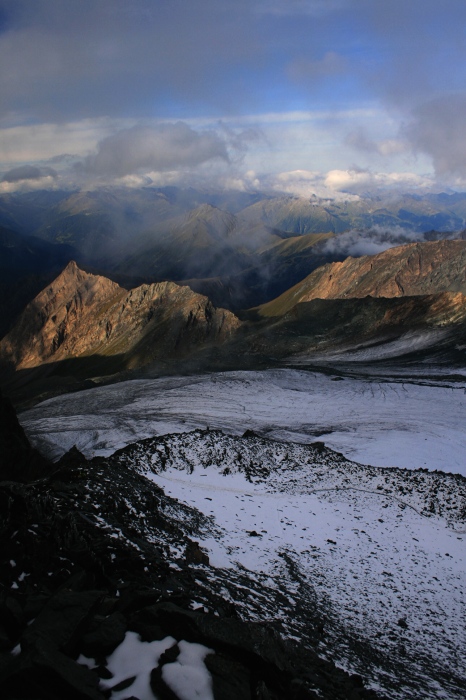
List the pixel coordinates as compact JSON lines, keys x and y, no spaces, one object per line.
{"x":107,"y":594}
{"x":416,"y":269}
{"x":98,"y":558}
{"x":81,"y":315}
{"x":367,"y":329}
{"x":84,"y":325}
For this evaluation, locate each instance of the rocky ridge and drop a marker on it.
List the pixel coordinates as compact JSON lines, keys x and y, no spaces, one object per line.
{"x":80,"y":314}
{"x":301,"y":466}
{"x":411,"y":270}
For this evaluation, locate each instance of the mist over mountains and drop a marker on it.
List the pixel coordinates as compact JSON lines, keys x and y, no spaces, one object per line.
{"x":236,"y":250}
{"x":240,"y":249}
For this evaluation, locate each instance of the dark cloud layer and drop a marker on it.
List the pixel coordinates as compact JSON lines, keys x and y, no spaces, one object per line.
{"x":164,"y":147}
{"x":68,"y":61}
{"x":27,"y":172}
{"x":114,"y":57}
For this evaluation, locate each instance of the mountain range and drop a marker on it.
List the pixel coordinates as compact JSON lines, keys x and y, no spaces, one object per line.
{"x":240,"y":249}
{"x":411,"y":270}
{"x":406,"y":299}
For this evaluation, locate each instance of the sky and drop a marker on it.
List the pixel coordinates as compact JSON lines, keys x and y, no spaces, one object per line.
{"x":331,"y":98}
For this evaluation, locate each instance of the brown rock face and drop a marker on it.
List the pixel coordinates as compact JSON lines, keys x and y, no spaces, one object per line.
{"x":80,"y":314}
{"x":411,"y":270}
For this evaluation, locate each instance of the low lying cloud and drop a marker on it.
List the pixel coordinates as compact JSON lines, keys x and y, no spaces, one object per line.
{"x":340,"y":184}
{"x":158,"y":148}
{"x":358,"y":181}
{"x":302,"y":183}
{"x":42,"y":183}
{"x":375,"y":240}
{"x":28,"y":177}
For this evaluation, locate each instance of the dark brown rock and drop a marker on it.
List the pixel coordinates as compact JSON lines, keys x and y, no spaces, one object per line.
{"x":62,"y":621}
{"x":46,"y":674}
{"x":195,"y":555}
{"x":231,"y":679}
{"x":104,"y":635}
{"x":18,"y":460}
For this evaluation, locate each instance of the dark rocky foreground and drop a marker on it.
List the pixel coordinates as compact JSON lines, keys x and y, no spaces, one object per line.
{"x":91,"y":551}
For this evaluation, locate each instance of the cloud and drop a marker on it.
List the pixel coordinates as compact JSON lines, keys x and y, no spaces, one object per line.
{"x":28,"y":172}
{"x":342,"y":185}
{"x":47,"y":182}
{"x":302,"y":183}
{"x":160,"y":148}
{"x":112,"y":57}
{"x":359,"y":181}
{"x":375,"y":240}
{"x":359,"y":140}
{"x":143,"y":62}
{"x":438,"y":129}
{"x":33,"y":142}
{"x":28,"y":177}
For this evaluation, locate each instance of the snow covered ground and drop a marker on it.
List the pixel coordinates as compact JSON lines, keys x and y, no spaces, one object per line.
{"x":399,"y":419}
{"x":395,"y":579}
{"x":187,"y":676}
{"x":380,"y":554}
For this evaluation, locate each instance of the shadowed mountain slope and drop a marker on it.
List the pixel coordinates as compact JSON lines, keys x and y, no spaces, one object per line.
{"x":367,"y":329}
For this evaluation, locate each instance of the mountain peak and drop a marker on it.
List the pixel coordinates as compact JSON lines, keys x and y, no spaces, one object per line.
{"x":71,"y":267}
{"x":80,"y":314}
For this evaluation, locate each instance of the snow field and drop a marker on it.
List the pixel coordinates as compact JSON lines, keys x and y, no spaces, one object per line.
{"x":379,"y":421}
{"x":376,"y":561}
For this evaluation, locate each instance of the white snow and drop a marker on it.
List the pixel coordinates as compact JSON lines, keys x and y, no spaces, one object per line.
{"x":135,"y":658}
{"x":383,"y":572}
{"x":376,"y":420}
{"x":187,"y":676}
{"x":409,"y":342}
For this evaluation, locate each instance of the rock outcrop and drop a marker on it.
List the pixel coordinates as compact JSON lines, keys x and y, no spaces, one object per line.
{"x":81,"y":315}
